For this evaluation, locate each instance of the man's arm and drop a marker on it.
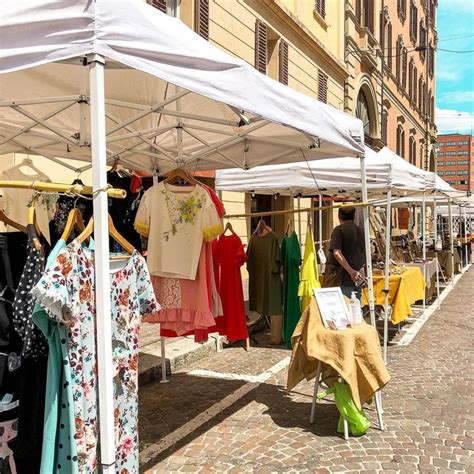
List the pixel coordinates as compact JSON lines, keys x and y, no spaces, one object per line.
{"x":354,"y":274}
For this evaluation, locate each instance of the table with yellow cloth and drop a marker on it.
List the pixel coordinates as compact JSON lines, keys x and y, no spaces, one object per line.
{"x":353,"y":353}
{"x":404,"y":290}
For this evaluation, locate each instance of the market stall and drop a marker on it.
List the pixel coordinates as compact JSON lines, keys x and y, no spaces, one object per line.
{"x":156,"y":97}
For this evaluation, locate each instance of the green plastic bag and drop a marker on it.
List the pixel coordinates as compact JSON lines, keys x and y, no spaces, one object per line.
{"x":357,"y":419}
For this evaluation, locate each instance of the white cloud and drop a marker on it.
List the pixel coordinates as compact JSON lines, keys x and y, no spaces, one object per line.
{"x":453,"y":121}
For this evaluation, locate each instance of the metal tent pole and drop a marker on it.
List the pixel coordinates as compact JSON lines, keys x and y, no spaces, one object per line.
{"x":451,"y":239}
{"x":386,"y":290}
{"x":368,"y":256}
{"x":299,"y":222}
{"x":101,"y":264}
{"x":320,"y":218}
{"x":423,"y":227}
{"x":435,"y":216}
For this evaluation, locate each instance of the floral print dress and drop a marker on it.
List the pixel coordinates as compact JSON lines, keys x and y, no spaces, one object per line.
{"x":66,"y":292}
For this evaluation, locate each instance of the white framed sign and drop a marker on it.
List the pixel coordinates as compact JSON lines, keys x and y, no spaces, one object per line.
{"x":332,"y":307}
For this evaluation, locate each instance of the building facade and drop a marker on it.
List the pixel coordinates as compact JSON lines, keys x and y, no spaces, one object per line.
{"x":455,"y":160}
{"x":390,"y":56}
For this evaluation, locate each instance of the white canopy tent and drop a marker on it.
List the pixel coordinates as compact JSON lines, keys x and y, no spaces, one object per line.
{"x":103,"y":80}
{"x":386,"y":173}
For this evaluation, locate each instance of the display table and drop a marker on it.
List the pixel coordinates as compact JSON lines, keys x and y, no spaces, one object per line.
{"x":431,"y":268}
{"x":404,"y":290}
{"x":352,"y":353}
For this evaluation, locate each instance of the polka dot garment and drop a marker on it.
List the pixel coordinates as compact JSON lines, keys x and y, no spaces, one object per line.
{"x":34,"y":342}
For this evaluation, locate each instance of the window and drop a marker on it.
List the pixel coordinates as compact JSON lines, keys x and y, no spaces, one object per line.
{"x":463,"y":152}
{"x":415,"y":85}
{"x":463,"y":172}
{"x":462,"y":181}
{"x":402,"y":9}
{"x":410,"y":79}
{"x":201,"y":18}
{"x":322,"y":87}
{"x":404,"y":67}
{"x":440,"y":153}
{"x":432,"y":107}
{"x":283,"y":73}
{"x":463,"y":163}
{"x":433,"y":11}
{"x":423,"y":39}
{"x":261,"y":47}
{"x":420,"y":93}
{"x":431,"y":59}
{"x":413,"y":22}
{"x":320,"y":7}
{"x":389,"y":53}
{"x":384,"y":126}
{"x":159,"y":4}
{"x":398,"y":58}
{"x":441,"y":173}
{"x":365,"y":14}
{"x":412,"y":151}
{"x":363,"y":113}
{"x":400,"y":141}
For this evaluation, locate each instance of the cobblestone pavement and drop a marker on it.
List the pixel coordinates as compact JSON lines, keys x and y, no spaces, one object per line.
{"x":248,"y":422}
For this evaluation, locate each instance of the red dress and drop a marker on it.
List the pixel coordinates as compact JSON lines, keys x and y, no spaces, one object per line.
{"x":229,"y":256}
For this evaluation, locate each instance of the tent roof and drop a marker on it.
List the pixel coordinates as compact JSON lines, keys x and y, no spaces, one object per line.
{"x":165,"y":87}
{"x":337,"y":176}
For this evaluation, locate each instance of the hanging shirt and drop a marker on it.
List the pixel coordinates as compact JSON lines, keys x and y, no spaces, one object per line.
{"x":176,"y":219}
{"x":66,"y":293}
{"x":309,"y":272}
{"x":14,"y":202}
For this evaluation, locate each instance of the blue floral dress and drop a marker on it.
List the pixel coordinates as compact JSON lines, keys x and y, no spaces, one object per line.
{"x":66,"y":292}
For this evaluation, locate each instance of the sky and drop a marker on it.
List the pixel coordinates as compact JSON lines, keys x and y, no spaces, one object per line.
{"x":455,"y":71}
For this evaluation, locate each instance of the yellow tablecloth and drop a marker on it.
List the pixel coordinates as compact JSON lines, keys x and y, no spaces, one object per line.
{"x":353,"y":353}
{"x":404,"y":290}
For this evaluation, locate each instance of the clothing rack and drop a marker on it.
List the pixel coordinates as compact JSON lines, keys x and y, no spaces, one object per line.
{"x":62,"y":188}
{"x":293,"y":211}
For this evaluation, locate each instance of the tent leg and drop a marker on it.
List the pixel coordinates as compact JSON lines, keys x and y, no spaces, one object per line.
{"x":315,"y":393}
{"x":368,"y":256}
{"x":451,"y":240}
{"x":164,"y":376}
{"x":423,"y":223}
{"x":437,"y":282}
{"x":387,"y":271}
{"x":299,"y":222}
{"x":101,"y":263}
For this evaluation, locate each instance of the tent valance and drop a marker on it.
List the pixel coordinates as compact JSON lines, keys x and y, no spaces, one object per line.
{"x":172,"y":98}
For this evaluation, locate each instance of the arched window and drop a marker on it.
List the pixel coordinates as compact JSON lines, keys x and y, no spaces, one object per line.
{"x":410,"y":79}
{"x":404,"y":67}
{"x":363,"y":113}
{"x":415,"y":85}
{"x":432,"y":108}
{"x":384,"y":126}
{"x":412,"y":151}
{"x":400,"y":141}
{"x":420,"y":93}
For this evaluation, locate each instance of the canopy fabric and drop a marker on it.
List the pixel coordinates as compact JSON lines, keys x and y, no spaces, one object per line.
{"x":337,"y":176}
{"x":172,"y":98}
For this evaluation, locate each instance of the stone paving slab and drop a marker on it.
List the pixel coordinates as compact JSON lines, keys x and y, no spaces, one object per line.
{"x":211,"y":424}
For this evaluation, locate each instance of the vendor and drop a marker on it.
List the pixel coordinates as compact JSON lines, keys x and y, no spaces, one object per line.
{"x":346,"y":254}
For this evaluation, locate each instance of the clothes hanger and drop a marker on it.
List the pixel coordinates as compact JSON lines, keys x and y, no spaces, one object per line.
{"x":113,"y":232}
{"x":74,"y":220}
{"x":289,"y":226}
{"x":27,"y":162}
{"x":262,"y":227}
{"x":33,"y":230}
{"x":6,"y":220}
{"x":227,"y":227}
{"x":180,"y":174}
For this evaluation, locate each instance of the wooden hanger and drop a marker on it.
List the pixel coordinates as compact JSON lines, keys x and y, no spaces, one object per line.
{"x":34,"y":232}
{"x":27,"y":162}
{"x":74,"y":220}
{"x":113,"y":232}
{"x":227,"y":227}
{"x":7,"y":221}
{"x":180,"y":173}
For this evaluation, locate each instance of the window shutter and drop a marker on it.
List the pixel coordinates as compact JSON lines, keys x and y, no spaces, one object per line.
{"x":201,"y":18}
{"x":159,"y":4}
{"x":283,"y":75}
{"x":261,"y":47}
{"x":415,"y":84}
{"x":358,"y":10}
{"x":410,"y":81}
{"x":389,"y":46}
{"x":321,"y":7}
{"x":404,"y":68}
{"x":322,"y":87}
{"x":369,"y":15}
{"x":398,"y":59}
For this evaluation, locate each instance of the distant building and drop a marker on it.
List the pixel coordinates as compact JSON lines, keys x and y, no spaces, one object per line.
{"x":455,"y":160}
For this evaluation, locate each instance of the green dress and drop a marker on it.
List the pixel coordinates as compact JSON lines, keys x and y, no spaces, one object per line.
{"x":263,"y":265}
{"x":291,"y":256}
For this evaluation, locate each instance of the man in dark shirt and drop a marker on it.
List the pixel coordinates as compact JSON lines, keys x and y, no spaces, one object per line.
{"x":347,"y":250}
